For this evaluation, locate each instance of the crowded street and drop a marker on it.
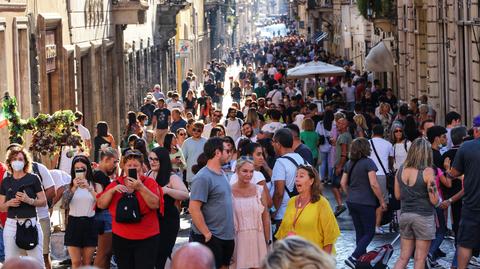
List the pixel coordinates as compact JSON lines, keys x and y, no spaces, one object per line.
{"x":239,"y":134}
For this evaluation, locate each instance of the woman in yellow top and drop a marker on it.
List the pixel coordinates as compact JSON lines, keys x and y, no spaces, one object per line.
{"x":309,"y":214}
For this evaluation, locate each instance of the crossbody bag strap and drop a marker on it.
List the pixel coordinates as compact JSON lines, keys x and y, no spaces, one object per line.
{"x":351,"y":170}
{"x":378,"y":157}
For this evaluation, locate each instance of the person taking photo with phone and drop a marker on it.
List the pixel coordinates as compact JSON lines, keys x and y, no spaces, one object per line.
{"x":81,"y":235}
{"x":133,"y":202}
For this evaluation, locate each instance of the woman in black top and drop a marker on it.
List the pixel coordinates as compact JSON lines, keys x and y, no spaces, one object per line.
{"x":173,"y":189}
{"x":190,"y":103}
{"x":20,"y":193}
{"x":102,"y":138}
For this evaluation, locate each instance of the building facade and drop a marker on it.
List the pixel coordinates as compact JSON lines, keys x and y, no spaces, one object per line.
{"x":439,"y":54}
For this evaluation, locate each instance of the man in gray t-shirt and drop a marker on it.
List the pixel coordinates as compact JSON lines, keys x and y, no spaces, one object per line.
{"x":192,"y":148}
{"x":211,"y":204}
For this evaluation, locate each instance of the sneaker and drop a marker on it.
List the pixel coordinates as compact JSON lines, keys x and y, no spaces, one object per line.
{"x":351,"y":262}
{"x":474,"y":261}
{"x":430,"y":263}
{"x":339,"y":210}
{"x":379,"y":230}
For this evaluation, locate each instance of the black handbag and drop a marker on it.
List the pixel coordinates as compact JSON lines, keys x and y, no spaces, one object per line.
{"x":26,"y":236}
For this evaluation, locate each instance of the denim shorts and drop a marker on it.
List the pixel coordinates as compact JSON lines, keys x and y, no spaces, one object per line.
{"x":336,"y":179}
{"x":103,"y":221}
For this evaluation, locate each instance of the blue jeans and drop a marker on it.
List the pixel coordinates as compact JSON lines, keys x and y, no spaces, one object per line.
{"x":2,"y":247}
{"x":325,"y":171}
{"x":363,"y":217}
{"x":440,"y":233}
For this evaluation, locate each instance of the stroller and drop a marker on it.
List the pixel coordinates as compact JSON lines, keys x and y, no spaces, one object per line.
{"x":390,"y":216}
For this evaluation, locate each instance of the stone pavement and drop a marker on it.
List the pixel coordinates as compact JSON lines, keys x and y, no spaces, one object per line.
{"x":344,"y":246}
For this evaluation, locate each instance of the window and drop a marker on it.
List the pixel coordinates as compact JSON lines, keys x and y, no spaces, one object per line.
{"x":460,"y":10}
{"x":405,"y":17}
{"x":415,"y":19}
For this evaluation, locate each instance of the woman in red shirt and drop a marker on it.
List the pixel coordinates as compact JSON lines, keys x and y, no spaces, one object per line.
{"x":134,"y":243}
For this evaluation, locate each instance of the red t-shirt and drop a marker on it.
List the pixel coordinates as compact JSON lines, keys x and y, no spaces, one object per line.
{"x":149,"y":225}
{"x":3,"y":215}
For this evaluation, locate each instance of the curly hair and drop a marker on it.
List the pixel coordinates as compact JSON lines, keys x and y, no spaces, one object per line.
{"x":14,"y":151}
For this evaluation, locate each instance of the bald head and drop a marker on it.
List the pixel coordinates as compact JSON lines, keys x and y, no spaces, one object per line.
{"x":194,"y":256}
{"x":22,"y":263}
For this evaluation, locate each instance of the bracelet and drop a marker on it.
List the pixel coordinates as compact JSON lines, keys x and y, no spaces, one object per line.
{"x":32,"y":201}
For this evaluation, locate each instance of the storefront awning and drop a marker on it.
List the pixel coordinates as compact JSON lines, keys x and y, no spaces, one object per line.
{"x":319,"y":36}
{"x":379,"y":59}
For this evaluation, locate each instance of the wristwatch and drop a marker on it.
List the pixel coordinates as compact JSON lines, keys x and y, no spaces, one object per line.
{"x":450,"y":200}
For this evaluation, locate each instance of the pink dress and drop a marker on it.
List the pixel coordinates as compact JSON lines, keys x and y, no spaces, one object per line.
{"x":250,"y":245}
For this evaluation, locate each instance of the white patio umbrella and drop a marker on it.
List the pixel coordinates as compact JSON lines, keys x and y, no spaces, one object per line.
{"x":312,"y":69}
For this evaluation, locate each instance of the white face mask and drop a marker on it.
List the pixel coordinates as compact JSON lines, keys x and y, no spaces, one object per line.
{"x":18,"y":165}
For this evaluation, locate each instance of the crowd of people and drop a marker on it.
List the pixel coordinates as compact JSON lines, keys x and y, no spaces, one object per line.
{"x":255,"y":175}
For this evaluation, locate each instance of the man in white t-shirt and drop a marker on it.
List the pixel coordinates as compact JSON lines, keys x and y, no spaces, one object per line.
{"x":275,"y":95}
{"x":284,"y":172}
{"x":216,"y":116}
{"x":233,"y":125}
{"x":247,"y":133}
{"x":383,"y":149}
{"x":275,"y":124}
{"x":42,"y":212}
{"x":62,"y":181}
{"x":349,"y":93}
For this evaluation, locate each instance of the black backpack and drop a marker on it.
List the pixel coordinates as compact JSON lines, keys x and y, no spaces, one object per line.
{"x":294,"y":192}
{"x":128,"y":209}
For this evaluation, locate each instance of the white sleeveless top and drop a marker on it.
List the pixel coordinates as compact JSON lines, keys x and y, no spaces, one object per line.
{"x":82,"y":204}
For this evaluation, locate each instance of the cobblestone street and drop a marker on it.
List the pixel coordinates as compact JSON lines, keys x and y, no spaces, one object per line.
{"x":346,"y":242}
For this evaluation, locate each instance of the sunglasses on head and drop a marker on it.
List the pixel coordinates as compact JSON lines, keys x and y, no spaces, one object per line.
{"x":132,"y":153}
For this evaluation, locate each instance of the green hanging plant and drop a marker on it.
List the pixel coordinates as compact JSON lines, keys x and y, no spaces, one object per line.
{"x":49,"y":132}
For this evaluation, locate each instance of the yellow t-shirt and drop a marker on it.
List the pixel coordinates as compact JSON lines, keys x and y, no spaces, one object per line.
{"x":316,"y":223}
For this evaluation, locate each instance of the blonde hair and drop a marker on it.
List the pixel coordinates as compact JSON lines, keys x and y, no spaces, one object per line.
{"x":360,"y":120}
{"x":295,"y":252}
{"x":252,"y":117}
{"x":308,"y":125}
{"x":419,"y":155}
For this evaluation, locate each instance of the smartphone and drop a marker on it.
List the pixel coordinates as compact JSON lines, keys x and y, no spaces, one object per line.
{"x":132,"y":172}
{"x":80,"y":173}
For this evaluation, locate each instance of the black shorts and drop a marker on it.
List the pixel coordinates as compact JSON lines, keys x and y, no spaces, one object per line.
{"x":469,"y":229}
{"x":81,"y":232}
{"x":222,"y":249}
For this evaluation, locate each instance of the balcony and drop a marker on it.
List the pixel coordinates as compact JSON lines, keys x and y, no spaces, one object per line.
{"x":129,"y":11}
{"x":320,"y":5}
{"x":176,"y":5}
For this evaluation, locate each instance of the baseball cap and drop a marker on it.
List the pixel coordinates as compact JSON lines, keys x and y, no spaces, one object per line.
{"x":476,"y":121}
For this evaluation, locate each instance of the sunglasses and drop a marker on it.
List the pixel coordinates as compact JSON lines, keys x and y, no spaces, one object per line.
{"x":182,"y":134}
{"x":133,"y":154}
{"x":227,"y":150}
{"x":398,"y":131}
{"x":153,"y":159}
{"x":217,"y":115}
{"x":196,"y":130}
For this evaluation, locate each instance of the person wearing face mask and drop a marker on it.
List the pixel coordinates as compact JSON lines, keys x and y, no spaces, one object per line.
{"x":20,"y":193}
{"x":135,"y":243}
{"x":102,"y":175}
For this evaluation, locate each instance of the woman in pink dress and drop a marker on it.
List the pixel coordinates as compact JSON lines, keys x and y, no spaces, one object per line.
{"x":251,"y":217}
